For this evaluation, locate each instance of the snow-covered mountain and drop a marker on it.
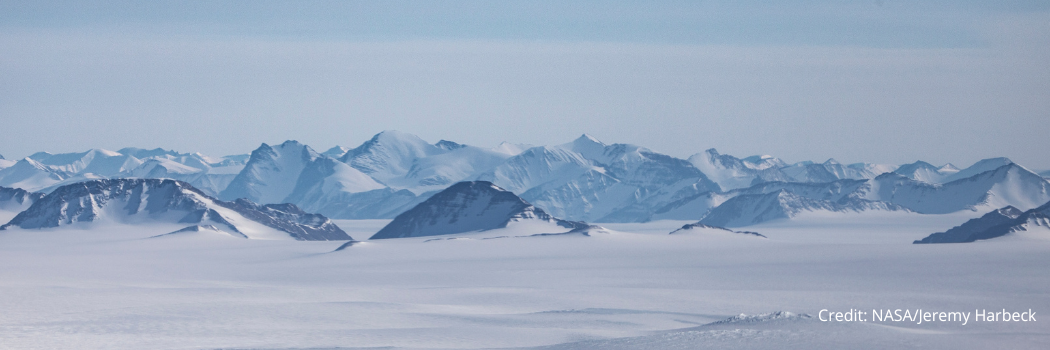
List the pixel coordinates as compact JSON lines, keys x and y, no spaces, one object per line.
{"x":585,"y":179}
{"x":155,"y":201}
{"x":926,"y":172}
{"x":335,"y":152}
{"x":294,"y":173}
{"x":750,"y":209}
{"x":1008,"y":185}
{"x":697,"y":206}
{"x":389,"y":155}
{"x":589,"y":180}
{"x":43,"y":172}
{"x":997,"y":223}
{"x":95,"y":161}
{"x":733,"y":173}
{"x":467,"y":207}
{"x":31,"y":175}
{"x":17,"y":199}
{"x":832,"y":170}
{"x":271,"y":173}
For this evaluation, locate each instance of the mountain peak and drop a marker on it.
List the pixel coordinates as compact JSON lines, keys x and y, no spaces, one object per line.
{"x":589,"y":139}
{"x":467,"y":206}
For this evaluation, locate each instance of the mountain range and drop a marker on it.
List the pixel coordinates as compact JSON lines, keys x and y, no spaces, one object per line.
{"x":152,"y":201}
{"x":582,"y":180}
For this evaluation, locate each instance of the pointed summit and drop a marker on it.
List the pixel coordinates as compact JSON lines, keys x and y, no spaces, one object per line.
{"x":466,"y":207}
{"x":336,"y":152}
{"x":389,"y":155}
{"x":587,"y":146}
{"x":271,"y":173}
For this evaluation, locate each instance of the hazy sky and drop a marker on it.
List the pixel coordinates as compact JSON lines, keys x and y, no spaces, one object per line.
{"x":877,"y":81}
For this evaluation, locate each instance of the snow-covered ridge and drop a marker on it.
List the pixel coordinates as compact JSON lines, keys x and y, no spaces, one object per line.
{"x":997,"y":223}
{"x":152,"y":201}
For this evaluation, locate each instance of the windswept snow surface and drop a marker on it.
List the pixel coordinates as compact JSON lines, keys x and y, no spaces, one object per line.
{"x":632,"y":287}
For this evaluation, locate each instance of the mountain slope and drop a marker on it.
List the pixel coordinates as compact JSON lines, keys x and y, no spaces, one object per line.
{"x":271,"y":173}
{"x":997,"y":223}
{"x":155,"y":201}
{"x":591,"y":181}
{"x":466,"y":207}
{"x":30,"y":175}
{"x":17,"y":199}
{"x":750,"y":209}
{"x":389,"y":155}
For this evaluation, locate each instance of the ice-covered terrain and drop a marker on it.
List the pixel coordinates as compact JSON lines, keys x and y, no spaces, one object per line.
{"x":583,"y":180}
{"x":633,"y":286}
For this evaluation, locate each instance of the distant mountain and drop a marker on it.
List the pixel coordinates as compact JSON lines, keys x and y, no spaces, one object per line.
{"x":271,"y":173}
{"x":697,"y":206}
{"x":511,"y":149}
{"x":96,"y":161}
{"x":389,"y":155}
{"x":467,"y":207}
{"x":294,"y":173}
{"x":17,"y":199}
{"x":750,"y":209}
{"x":832,"y":170}
{"x":926,"y":172}
{"x":733,"y":173}
{"x":31,"y":175}
{"x":997,"y":223}
{"x":698,"y":228}
{"x":153,"y":201}
{"x":585,"y":179}
{"x":335,"y":189}
{"x":1045,"y":174}
{"x":335,"y":152}
{"x":590,"y":181}
{"x":1009,"y":184}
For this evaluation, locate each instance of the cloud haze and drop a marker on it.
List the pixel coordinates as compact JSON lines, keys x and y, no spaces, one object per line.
{"x":201,"y":85}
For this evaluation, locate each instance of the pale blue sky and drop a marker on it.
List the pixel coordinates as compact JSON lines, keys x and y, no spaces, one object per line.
{"x":878,"y":81}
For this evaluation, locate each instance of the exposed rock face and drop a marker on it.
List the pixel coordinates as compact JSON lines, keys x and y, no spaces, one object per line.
{"x":17,"y":199}
{"x":997,"y":223}
{"x":701,"y":228}
{"x":465,"y":207}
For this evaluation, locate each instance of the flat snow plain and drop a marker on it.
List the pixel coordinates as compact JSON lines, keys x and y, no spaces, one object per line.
{"x":635,"y":287}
